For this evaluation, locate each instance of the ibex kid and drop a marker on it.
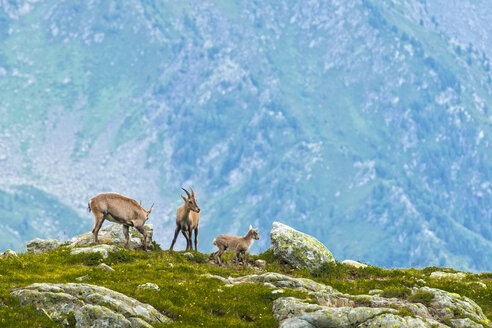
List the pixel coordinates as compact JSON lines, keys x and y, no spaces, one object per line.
{"x":236,"y":244}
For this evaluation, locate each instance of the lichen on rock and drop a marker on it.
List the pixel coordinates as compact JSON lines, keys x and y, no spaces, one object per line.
{"x":298,"y":249}
{"x":102,"y":249}
{"x":113,"y":234}
{"x":38,"y":245}
{"x":336,"y":309}
{"x":91,"y":305}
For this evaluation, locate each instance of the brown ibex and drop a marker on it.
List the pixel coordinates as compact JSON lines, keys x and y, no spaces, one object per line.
{"x":187,"y":217}
{"x":119,"y":209}
{"x":236,"y":244}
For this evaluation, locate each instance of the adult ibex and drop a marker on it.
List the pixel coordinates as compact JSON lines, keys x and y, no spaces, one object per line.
{"x":187,"y":218}
{"x":119,"y":209}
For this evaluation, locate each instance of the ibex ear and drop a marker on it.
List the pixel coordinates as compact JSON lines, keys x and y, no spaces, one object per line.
{"x":250,"y":227}
{"x":150,"y":209}
{"x":184,"y":198}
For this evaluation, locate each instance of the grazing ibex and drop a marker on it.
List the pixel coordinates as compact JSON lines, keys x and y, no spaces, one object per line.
{"x":187,"y":218}
{"x":236,"y":244}
{"x":119,"y":209}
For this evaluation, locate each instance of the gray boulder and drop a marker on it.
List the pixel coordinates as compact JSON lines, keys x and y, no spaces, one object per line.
{"x":38,"y":245}
{"x":92,"y":306}
{"x":149,"y":286}
{"x":103,"y":249}
{"x":446,"y":305}
{"x":448,"y":275}
{"x":292,"y":312}
{"x":7,"y":254}
{"x":105,"y":267}
{"x":464,"y":323}
{"x":392,"y":320}
{"x":297,"y":248}
{"x":113,"y":234}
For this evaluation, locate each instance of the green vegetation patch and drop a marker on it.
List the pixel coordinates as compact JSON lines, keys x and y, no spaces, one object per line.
{"x":186,"y":296}
{"x":421,"y":297}
{"x":190,"y":299}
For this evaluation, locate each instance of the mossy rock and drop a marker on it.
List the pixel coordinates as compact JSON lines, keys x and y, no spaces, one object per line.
{"x":90,"y":305}
{"x":298,"y":249}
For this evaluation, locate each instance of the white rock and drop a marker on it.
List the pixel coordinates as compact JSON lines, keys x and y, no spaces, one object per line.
{"x":149,"y":286}
{"x":37,"y":246}
{"x":103,"y":249}
{"x":354,"y":263}
{"x":105,"y":267}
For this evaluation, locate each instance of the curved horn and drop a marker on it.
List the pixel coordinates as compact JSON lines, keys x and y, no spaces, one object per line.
{"x":192,"y":192}
{"x":186,"y":191}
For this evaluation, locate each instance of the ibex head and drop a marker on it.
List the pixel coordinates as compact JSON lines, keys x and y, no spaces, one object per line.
{"x":254,"y":232}
{"x":191,"y":200}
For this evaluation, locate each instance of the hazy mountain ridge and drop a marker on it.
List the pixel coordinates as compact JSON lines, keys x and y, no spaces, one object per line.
{"x":347,"y":120}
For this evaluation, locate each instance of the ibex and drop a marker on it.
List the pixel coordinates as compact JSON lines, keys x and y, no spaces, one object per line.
{"x":119,"y":209}
{"x":235,"y":244}
{"x":187,"y":217}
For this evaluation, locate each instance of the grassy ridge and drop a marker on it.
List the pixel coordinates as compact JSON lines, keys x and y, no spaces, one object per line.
{"x":191,"y":299}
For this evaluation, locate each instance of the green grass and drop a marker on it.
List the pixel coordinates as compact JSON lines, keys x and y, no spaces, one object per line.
{"x":187,"y":297}
{"x":191,"y":299}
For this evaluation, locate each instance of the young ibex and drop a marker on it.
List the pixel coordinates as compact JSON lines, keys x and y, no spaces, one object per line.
{"x":235,"y":244}
{"x":187,"y":218}
{"x":119,"y":209}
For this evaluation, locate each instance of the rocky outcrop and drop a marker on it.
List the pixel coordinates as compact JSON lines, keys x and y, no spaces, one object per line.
{"x":113,"y":234}
{"x":8,"y":253}
{"x":446,"y":305}
{"x":298,"y":249}
{"x":336,"y":309}
{"x":447,"y":275}
{"x":90,"y":305}
{"x":292,"y":312}
{"x":38,"y":245}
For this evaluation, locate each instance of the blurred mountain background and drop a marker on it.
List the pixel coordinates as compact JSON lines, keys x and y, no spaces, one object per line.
{"x":364,"y":123}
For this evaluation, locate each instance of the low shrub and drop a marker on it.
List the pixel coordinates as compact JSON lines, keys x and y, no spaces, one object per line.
{"x":421,"y":297}
{"x":396,"y":292}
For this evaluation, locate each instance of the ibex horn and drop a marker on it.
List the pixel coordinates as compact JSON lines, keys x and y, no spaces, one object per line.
{"x":186,"y":191}
{"x":150,"y":209}
{"x":192,"y":192}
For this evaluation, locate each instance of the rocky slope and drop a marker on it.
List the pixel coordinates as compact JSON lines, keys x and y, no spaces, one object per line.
{"x":52,"y":285}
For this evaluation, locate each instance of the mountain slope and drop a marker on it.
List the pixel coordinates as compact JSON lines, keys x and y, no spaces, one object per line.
{"x":363,"y":123}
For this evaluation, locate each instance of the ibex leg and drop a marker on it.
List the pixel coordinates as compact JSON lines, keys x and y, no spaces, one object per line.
{"x":176,"y":232}
{"x":185,"y":234}
{"x":142,"y":230}
{"x":218,"y":254}
{"x":99,"y":217}
{"x":238,"y":256}
{"x":126,"y":234}
{"x":196,"y":239}
{"x":244,"y":258}
{"x":189,"y":242}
